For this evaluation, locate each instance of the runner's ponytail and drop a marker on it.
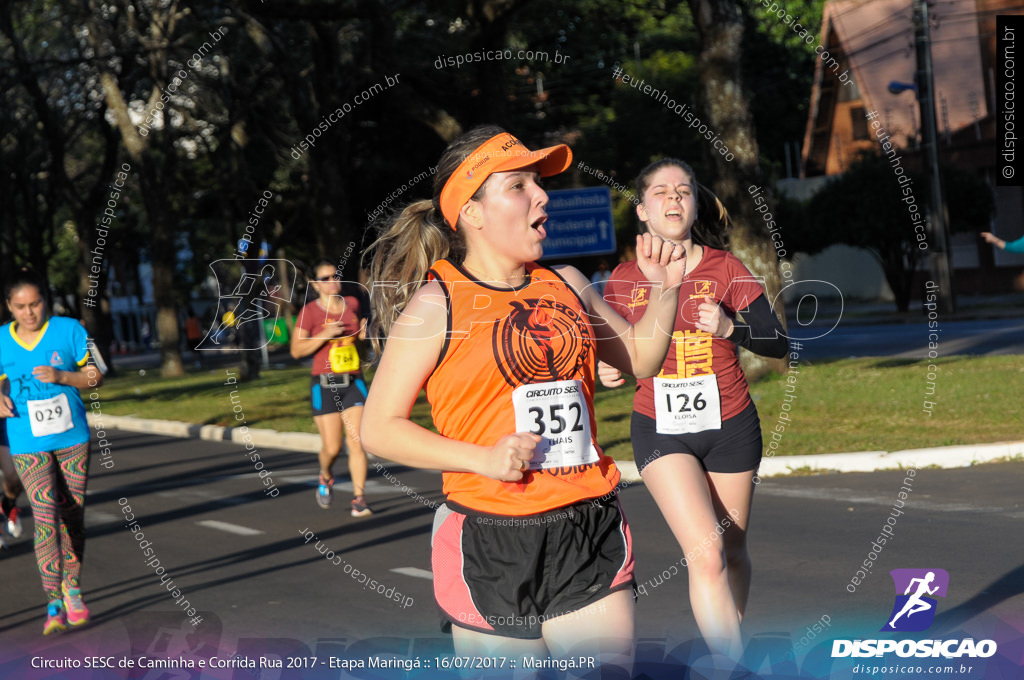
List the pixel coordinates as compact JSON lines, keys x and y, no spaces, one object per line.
{"x":413,"y":239}
{"x":713,"y":223}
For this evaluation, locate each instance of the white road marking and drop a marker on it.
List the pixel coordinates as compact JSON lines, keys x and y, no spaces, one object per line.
{"x":415,"y":572}
{"x":202,"y":496}
{"x":850,"y":496}
{"x":301,"y":479}
{"x":228,"y":527}
{"x":98,"y":517}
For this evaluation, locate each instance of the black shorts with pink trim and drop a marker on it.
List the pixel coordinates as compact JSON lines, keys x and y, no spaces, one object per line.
{"x":506,"y":575}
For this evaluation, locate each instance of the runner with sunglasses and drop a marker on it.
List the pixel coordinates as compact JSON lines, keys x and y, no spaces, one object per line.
{"x":327,"y":328}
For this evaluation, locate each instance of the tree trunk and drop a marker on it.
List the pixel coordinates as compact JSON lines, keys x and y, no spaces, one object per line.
{"x":85,"y":204}
{"x":164,"y":254}
{"x":723,"y":99}
{"x":95,"y":239}
{"x":155,"y":184}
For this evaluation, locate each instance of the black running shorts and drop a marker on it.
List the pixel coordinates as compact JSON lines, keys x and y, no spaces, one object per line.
{"x":336,"y":392}
{"x":507,"y":575}
{"x":736,"y":447}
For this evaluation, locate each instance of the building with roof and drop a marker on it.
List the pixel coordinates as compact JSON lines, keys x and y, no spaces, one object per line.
{"x":873,"y":42}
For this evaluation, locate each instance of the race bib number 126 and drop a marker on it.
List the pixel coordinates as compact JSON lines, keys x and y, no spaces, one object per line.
{"x":687,"y":405}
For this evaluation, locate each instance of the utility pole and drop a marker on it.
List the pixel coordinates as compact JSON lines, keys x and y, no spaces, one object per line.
{"x":938,"y":243}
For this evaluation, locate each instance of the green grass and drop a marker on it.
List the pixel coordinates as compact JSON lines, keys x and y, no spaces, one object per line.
{"x":279,"y":400}
{"x":877,"y":404}
{"x":843,"y":405}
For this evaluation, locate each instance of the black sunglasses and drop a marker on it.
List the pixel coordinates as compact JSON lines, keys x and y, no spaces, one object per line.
{"x":332,"y":277}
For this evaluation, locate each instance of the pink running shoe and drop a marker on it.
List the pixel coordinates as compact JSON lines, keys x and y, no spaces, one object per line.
{"x":56,"y":620}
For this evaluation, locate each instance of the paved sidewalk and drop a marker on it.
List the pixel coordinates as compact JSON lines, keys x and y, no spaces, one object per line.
{"x":861,"y":461}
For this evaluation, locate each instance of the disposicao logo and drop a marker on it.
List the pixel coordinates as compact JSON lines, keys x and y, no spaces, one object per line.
{"x":914,"y":611}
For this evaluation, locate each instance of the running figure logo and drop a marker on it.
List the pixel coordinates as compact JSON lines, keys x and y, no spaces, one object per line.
{"x":639,"y":296}
{"x":256,"y":298}
{"x":914,"y":610}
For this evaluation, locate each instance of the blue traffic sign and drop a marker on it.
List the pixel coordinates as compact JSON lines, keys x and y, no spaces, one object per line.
{"x":579,"y":223}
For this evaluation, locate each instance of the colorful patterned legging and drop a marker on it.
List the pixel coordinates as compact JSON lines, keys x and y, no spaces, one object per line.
{"x":55,"y":482}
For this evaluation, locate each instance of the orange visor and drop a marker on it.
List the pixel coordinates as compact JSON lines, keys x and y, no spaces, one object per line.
{"x":501,"y":153}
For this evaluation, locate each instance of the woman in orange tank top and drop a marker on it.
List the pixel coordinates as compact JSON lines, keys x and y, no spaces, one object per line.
{"x":525,"y":560}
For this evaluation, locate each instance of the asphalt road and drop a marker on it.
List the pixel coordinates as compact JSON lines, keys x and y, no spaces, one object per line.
{"x":910,"y":341}
{"x":241,"y":559}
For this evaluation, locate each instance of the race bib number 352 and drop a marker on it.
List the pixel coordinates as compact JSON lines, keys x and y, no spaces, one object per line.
{"x":558,"y":412}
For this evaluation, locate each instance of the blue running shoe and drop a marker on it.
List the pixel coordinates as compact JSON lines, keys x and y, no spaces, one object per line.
{"x":325,"y":492}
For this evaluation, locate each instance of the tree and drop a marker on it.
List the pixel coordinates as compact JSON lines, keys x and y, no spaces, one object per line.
{"x":724,"y":100}
{"x":230,"y":129}
{"x":778,"y":69}
{"x":64,"y":152}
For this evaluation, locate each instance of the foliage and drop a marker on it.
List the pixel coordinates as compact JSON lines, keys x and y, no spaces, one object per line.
{"x":779,"y":70}
{"x":868,"y":207}
{"x":233,"y":128}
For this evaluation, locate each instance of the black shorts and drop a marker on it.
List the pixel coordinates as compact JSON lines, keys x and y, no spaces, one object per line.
{"x":736,"y":447}
{"x":342,"y":391}
{"x":506,"y":575}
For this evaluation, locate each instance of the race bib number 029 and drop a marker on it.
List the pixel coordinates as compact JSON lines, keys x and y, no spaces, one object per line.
{"x":687,"y":405}
{"x":49,"y":416}
{"x":558,"y":412}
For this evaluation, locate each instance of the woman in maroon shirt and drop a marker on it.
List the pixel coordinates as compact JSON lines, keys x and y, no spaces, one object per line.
{"x":695,"y":431}
{"x":327,"y":328}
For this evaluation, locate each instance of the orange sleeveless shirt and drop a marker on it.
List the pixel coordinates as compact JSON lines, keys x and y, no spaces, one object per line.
{"x":523,"y":356}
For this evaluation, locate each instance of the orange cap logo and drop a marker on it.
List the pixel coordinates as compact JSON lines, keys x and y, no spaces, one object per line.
{"x":501,"y":153}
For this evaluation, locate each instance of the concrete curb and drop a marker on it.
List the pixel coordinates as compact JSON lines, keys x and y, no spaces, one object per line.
{"x":869,"y":461}
{"x":863,"y":461}
{"x":271,"y":439}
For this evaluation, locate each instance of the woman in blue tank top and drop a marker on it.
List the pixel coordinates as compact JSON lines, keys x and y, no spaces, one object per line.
{"x":43,"y":365}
